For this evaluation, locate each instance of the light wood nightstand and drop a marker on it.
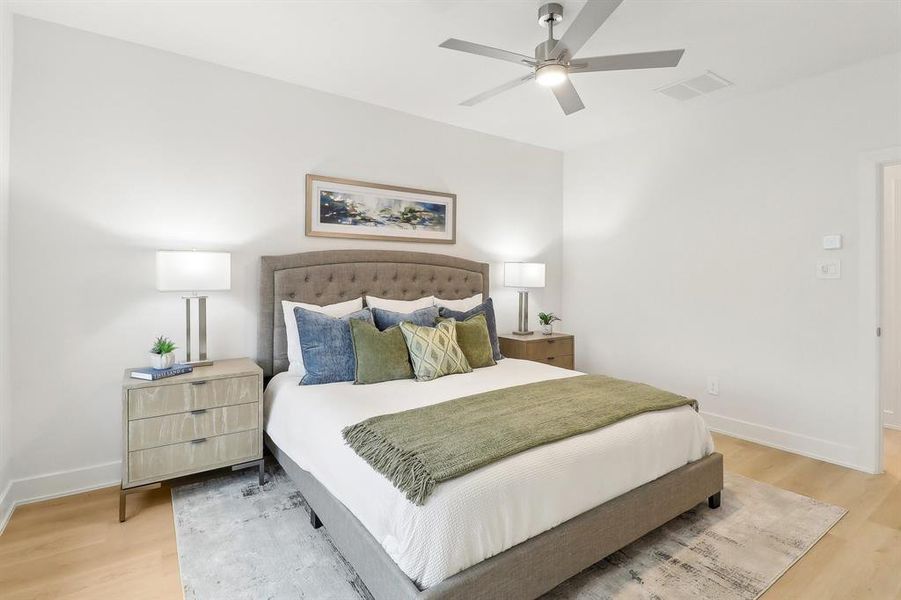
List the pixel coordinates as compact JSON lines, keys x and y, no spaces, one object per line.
{"x":556,"y":349}
{"x":204,"y":420}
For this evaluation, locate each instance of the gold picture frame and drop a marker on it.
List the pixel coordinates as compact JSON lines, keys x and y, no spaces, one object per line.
{"x":337,"y":208}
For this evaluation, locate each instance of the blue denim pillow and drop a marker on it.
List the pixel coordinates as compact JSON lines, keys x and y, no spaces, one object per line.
{"x":485,"y":308}
{"x":424,"y":317}
{"x":327,"y":346}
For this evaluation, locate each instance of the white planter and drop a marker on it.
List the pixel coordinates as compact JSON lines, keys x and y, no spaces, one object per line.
{"x":547,"y":329}
{"x":162,"y":361}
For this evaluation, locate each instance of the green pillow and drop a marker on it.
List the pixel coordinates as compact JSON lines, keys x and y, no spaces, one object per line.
{"x":474,"y":340}
{"x":434,"y":350}
{"x":381,"y":355}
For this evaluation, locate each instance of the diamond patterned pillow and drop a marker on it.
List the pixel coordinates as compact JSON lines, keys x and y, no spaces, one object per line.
{"x":434,"y":351}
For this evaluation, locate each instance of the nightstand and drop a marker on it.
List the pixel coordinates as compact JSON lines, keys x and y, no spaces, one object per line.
{"x":204,"y":420}
{"x":555,"y":349}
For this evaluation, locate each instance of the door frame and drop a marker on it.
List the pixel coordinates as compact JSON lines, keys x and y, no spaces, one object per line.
{"x":891,"y":263}
{"x":870,"y":225}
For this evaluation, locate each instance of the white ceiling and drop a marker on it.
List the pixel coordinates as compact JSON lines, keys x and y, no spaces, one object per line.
{"x":386,"y":52}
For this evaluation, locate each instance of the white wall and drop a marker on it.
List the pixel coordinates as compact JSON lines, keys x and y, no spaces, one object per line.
{"x":690,"y":250}
{"x":118,"y":150}
{"x":6,"y":63}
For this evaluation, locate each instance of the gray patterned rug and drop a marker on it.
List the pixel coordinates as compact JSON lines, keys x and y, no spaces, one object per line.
{"x":237,"y":541}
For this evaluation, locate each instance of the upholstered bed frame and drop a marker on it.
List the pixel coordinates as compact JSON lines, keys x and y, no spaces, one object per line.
{"x":337,"y":275}
{"x":522,"y":572}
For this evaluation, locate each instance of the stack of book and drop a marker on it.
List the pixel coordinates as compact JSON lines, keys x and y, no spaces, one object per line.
{"x":153,"y":374}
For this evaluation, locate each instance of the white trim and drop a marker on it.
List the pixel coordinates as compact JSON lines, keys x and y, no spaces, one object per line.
{"x":6,"y":507}
{"x":890,"y":318}
{"x":892,"y":427}
{"x":797,"y":443}
{"x":6,"y":66}
{"x":869,"y":289}
{"x":55,"y":485}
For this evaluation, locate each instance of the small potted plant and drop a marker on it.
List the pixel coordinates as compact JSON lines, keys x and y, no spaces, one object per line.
{"x":162,"y":355}
{"x":547,"y":322}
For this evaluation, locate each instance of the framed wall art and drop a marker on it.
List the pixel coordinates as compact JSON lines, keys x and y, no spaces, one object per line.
{"x":346,"y":208}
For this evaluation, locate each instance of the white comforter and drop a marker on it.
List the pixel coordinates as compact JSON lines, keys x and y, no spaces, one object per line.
{"x":478,"y":515}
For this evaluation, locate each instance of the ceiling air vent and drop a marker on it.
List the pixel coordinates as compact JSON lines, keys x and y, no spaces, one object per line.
{"x":694,"y":87}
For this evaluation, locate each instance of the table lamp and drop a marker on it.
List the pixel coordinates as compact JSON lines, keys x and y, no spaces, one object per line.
{"x":193,"y":271}
{"x":523,"y":275}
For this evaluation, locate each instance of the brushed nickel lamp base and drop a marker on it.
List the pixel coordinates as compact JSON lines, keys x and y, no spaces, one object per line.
{"x":523,"y":324}
{"x":523,"y":276}
{"x":202,"y":360}
{"x":199,"y":363}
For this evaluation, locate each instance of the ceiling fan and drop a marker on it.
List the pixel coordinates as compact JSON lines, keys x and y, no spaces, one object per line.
{"x":555,"y":60}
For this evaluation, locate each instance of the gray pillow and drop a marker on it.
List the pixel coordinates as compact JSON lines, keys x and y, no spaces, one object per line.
{"x":485,"y":308}
{"x":424,"y":317}
{"x":327,"y":346}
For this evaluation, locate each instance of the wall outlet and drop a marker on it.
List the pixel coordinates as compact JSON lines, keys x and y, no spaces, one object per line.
{"x":713,"y":385}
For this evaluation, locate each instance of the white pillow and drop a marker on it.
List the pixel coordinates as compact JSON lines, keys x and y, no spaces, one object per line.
{"x":460,"y":305}
{"x":339,"y":309}
{"x":401,"y":306}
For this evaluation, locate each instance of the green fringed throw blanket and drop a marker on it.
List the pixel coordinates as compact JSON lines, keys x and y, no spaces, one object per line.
{"x":419,"y":448}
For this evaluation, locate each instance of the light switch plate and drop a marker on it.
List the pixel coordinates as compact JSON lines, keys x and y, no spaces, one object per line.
{"x":832,"y":242}
{"x":829,"y":269}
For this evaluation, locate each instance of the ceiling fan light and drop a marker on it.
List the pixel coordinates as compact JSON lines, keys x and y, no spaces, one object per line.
{"x":550,"y":75}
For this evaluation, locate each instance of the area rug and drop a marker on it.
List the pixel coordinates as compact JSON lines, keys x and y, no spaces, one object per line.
{"x":237,"y":540}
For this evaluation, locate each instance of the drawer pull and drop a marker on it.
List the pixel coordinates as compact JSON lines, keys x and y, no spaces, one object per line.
{"x":198,"y":382}
{"x":551,"y":357}
{"x":198,"y":441}
{"x":199,"y":411}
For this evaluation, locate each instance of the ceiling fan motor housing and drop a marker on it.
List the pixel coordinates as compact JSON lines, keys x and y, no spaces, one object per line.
{"x":548,"y":15}
{"x":552,"y":11}
{"x":543,"y":50}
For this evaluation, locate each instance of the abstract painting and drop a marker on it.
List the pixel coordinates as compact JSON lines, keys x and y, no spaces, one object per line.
{"x":356,"y":209}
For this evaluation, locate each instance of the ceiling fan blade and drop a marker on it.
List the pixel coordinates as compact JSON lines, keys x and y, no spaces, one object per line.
{"x":479,"y":49}
{"x":568,"y":97}
{"x":619,"y":62}
{"x":495,"y":91}
{"x":589,"y":20}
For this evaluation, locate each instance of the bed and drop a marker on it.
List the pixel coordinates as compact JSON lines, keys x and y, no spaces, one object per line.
{"x":513,"y":529}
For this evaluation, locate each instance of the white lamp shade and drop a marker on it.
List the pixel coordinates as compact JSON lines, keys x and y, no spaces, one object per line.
{"x":192,"y":271}
{"x":524,"y":275}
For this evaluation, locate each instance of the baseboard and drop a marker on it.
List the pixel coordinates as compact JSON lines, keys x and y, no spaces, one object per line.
{"x":6,"y":507}
{"x":54,"y":485}
{"x":796,"y":443}
{"x":889,"y":415}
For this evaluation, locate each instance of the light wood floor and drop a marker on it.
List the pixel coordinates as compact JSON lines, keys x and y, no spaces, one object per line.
{"x":74,"y":547}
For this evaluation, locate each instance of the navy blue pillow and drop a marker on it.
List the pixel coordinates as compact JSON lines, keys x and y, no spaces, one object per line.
{"x":388,"y":318}
{"x":327,"y":346}
{"x":485,"y":308}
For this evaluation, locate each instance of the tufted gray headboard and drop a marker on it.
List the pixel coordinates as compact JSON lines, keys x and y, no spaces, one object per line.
{"x":332,"y":276}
